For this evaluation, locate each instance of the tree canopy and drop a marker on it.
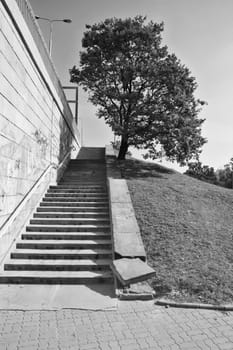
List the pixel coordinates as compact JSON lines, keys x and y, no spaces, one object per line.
{"x":144,"y":93}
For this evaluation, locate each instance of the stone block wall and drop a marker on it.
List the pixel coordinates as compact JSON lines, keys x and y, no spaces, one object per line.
{"x":36,"y":123}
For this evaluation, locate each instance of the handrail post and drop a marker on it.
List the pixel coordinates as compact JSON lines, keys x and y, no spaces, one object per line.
{"x":75,"y":101}
{"x":76,"y":106}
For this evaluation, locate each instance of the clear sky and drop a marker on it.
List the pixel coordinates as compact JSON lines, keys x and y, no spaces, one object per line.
{"x":199,"y":32}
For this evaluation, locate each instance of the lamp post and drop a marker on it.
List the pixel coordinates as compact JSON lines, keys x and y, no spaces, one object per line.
{"x":51,"y":21}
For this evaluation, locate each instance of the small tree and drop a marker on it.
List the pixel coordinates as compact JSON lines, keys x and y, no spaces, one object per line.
{"x":225,"y":176}
{"x":202,"y":172}
{"x":144,"y":93}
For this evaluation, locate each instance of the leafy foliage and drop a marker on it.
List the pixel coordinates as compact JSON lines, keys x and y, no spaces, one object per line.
{"x":116,"y":144}
{"x":225,"y":175}
{"x":201,"y":172}
{"x":221,"y":177}
{"x":144,"y":93}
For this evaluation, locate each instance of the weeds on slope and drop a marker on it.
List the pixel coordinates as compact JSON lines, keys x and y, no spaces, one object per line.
{"x":187,"y":229}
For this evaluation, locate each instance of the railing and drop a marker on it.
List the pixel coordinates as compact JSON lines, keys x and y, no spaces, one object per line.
{"x":75,"y":101}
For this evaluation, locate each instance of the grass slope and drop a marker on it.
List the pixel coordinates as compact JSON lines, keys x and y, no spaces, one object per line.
{"x":186,"y":226}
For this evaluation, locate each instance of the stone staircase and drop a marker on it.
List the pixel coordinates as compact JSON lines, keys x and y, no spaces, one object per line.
{"x":68,"y":240}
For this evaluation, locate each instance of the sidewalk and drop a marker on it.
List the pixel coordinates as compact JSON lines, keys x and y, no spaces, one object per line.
{"x":135,"y":325}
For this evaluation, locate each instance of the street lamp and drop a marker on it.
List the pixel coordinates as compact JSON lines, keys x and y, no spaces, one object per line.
{"x":51,"y":21}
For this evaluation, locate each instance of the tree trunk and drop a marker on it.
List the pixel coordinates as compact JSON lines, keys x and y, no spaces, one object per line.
{"x":123,"y":148}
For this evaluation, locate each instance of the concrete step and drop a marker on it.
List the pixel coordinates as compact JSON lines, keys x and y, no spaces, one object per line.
{"x":85,"y":179}
{"x":68,"y":240}
{"x":70,"y":178}
{"x":79,"y":215}
{"x":89,"y":167}
{"x":91,"y":153}
{"x":86,"y":170}
{"x":80,"y":186}
{"x":63,"y":244}
{"x":69,"y":209}
{"x":76,"y":195}
{"x":57,"y":265}
{"x":77,"y":181}
{"x":81,"y":182}
{"x":55,"y":277}
{"x":74,"y":254}
{"x":65,"y":235}
{"x":70,"y":221}
{"x":77,"y":190}
{"x":74,"y":199}
{"x":79,"y":160}
{"x":86,"y":162}
{"x":68,"y":228}
{"x":85,"y":167}
{"x":75,"y":204}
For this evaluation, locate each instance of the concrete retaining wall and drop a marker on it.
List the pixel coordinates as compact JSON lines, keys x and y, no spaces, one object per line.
{"x":36,"y":123}
{"x":127,"y":241}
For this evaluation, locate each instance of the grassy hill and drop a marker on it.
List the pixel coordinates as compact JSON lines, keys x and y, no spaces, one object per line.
{"x":187,"y":229}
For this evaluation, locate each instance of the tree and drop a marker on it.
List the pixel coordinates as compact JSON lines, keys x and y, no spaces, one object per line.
{"x":225,"y":176}
{"x":144,"y":93}
{"x":202,"y":172}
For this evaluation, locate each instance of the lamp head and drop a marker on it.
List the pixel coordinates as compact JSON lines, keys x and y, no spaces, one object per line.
{"x":67,"y":20}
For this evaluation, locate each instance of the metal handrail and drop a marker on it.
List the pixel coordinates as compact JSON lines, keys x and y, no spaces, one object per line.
{"x":75,"y":101}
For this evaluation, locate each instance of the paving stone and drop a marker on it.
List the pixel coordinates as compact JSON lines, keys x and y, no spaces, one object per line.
{"x":132,"y":326}
{"x":3,"y":347}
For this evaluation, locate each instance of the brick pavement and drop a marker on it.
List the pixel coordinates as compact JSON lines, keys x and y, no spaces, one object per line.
{"x":135,"y":325}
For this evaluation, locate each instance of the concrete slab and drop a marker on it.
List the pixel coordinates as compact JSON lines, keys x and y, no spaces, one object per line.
{"x":56,"y":297}
{"x":109,"y":151}
{"x":129,"y":245}
{"x":124,"y":219}
{"x":137,"y":291}
{"x":126,"y":233}
{"x":119,"y":192}
{"x":130,"y":271}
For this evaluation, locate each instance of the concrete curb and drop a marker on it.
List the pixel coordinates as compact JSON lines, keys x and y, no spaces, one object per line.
{"x":168,"y":303}
{"x":135,"y":297}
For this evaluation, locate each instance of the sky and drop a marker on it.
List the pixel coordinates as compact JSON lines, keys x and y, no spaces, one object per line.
{"x":199,"y":32}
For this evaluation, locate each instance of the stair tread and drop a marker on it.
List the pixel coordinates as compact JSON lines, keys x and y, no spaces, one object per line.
{"x":75,"y":192}
{"x":66,"y":214}
{"x":68,"y":262}
{"x":74,"y":199}
{"x":68,"y":239}
{"x":81,"y":182}
{"x":81,"y":220}
{"x":62,"y":251}
{"x":80,"y":202}
{"x":72,"y":233}
{"x":89,"y":208}
{"x":70,"y":209}
{"x":56,"y":274}
{"x":78,"y":193}
{"x":69,"y":226}
{"x":78,"y":187}
{"x":65,"y":241}
{"x":71,"y":202}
